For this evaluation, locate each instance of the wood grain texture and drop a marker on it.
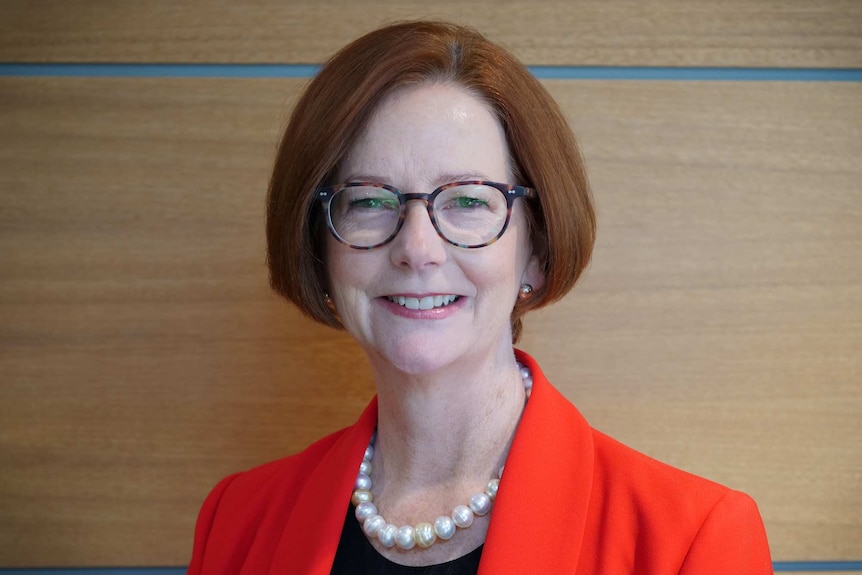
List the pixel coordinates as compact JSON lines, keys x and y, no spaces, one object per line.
{"x":720,"y":324}
{"x":766,"y":33}
{"x":141,"y":349}
{"x":143,"y":357}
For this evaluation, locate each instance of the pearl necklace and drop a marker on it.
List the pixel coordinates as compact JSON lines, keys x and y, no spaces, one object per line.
{"x":422,"y":534}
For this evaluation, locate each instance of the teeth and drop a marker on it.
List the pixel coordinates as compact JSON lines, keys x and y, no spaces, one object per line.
{"x":427,"y":302}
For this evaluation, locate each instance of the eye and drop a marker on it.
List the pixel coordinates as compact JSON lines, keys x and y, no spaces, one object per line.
{"x":374,"y":203}
{"x":466,"y":202}
{"x":468,"y":198}
{"x":369,"y":199}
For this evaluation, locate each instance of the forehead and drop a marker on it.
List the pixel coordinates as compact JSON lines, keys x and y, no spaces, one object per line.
{"x":422,"y":134}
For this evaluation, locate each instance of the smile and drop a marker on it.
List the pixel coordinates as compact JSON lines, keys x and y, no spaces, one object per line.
{"x":427,"y":302}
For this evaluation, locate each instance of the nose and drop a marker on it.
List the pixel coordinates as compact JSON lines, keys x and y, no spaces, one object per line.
{"x":417,"y":244}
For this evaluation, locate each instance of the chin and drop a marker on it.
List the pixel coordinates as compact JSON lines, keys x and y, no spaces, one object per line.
{"x":416,"y":364}
{"x":418,"y":356}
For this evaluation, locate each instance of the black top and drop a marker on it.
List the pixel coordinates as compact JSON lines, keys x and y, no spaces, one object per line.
{"x":357,"y":556}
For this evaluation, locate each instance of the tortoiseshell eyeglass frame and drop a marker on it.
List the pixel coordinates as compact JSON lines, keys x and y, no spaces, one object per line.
{"x":510,"y":191}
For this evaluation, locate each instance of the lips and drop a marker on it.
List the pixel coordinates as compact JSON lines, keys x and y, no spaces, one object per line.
{"x":427,"y":302}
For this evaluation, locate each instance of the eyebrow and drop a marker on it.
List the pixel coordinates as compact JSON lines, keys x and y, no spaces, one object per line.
{"x":367,"y":178}
{"x":439,"y":181}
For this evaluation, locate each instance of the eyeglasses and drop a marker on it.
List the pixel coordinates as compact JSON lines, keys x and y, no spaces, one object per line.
{"x":470,"y":214}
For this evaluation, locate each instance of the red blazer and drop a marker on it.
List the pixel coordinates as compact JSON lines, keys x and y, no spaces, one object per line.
{"x":572,"y":501}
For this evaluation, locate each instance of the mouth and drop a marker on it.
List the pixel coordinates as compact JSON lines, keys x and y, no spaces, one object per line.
{"x":427,"y":302}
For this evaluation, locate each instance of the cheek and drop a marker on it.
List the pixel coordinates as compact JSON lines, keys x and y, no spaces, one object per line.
{"x":498,"y":276}
{"x":351,"y":273}
{"x":342,"y":270}
{"x":345,"y":288}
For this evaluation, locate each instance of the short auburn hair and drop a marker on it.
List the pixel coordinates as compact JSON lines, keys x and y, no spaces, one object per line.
{"x":338,"y":103}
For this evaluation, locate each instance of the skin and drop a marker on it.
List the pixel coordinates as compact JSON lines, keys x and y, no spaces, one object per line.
{"x":449,"y":392}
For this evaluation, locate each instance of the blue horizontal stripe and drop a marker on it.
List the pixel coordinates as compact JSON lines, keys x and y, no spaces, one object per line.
{"x":780,"y":567}
{"x":689,"y":74}
{"x":543,"y":72}
{"x":98,"y":571}
{"x":162,"y":70}
{"x":826,"y":566}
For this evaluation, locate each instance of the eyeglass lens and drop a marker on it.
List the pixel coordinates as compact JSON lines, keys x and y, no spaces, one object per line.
{"x":468,"y":215}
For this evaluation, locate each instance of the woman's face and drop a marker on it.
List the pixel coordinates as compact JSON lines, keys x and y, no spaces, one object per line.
{"x":417,"y":140}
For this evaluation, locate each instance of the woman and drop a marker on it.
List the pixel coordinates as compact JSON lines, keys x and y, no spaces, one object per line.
{"x":426,"y":194}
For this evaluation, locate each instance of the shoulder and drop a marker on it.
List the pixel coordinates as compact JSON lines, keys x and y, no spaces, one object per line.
{"x":641,"y":515}
{"x":620,"y":467}
{"x":682,"y":518}
{"x":258,"y":485}
{"x":276,"y":475}
{"x":637,"y":493}
{"x":250,"y":505}
{"x":244,"y":519}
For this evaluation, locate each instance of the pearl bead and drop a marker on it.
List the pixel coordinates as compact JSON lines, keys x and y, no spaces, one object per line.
{"x":369,"y":452}
{"x":526,"y":376}
{"x":365,"y":467}
{"x":424,"y":535}
{"x":462,"y":516}
{"x":491,"y":488}
{"x":444,"y":527}
{"x":361,"y":495}
{"x":365,"y":510}
{"x":362,"y":482}
{"x":404,"y":538}
{"x":387,"y":535}
{"x":373,"y":524}
{"x":480,"y":503}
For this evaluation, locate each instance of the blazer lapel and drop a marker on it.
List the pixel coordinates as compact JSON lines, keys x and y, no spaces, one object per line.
{"x":311,"y":534}
{"x":540,"y":512}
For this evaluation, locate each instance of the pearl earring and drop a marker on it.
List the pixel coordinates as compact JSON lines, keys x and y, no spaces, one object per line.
{"x":525,"y":291}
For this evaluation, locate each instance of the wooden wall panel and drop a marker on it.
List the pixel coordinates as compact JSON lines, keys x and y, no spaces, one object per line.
{"x":142,"y":353}
{"x":766,"y":33}
{"x":720,"y":324}
{"x":143,"y":357}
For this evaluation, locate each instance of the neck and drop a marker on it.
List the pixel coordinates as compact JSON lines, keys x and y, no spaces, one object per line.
{"x":439,"y":431}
